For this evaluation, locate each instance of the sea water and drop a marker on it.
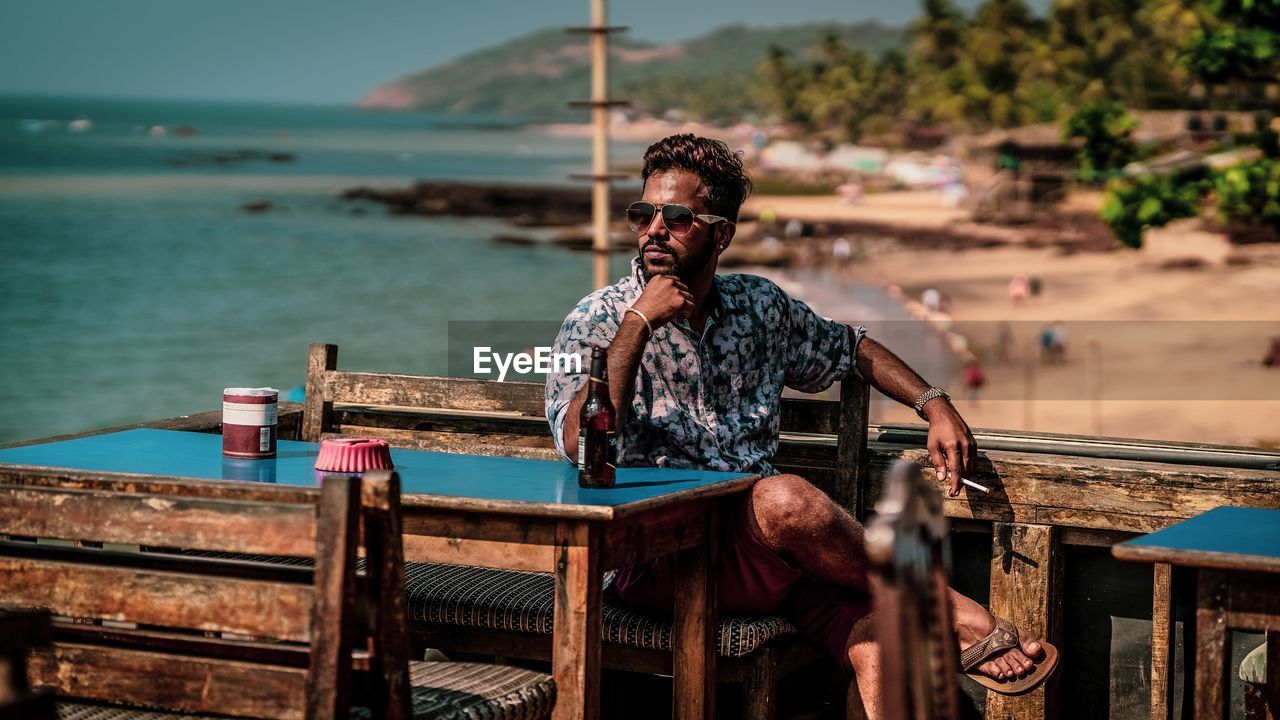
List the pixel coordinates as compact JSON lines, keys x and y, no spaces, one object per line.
{"x":133,"y":286}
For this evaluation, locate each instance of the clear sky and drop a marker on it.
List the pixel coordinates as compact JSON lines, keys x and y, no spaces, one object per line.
{"x":325,"y":51}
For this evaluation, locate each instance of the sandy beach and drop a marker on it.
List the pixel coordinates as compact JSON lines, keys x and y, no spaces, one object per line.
{"x":1186,"y":319}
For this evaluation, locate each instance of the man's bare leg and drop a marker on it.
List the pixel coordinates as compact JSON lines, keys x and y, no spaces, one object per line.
{"x":863,"y":699}
{"x":801,"y":523}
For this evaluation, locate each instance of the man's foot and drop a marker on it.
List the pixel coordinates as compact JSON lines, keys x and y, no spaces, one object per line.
{"x":1006,"y":662}
{"x":1016,"y":660}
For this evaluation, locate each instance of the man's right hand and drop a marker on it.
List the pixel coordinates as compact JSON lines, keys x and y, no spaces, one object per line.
{"x":664,"y":299}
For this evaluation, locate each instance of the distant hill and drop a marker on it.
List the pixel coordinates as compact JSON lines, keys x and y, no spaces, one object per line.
{"x":535,"y":75}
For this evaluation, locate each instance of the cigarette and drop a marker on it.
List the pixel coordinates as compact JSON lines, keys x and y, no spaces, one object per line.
{"x":975,"y":485}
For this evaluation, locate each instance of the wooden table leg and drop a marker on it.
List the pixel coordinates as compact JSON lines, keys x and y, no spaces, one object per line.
{"x":1213,"y":646}
{"x":575,"y":655}
{"x":1162,"y":626}
{"x":694,"y":659}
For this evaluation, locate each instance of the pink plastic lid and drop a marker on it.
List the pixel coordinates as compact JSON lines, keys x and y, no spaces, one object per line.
{"x":353,"y":455}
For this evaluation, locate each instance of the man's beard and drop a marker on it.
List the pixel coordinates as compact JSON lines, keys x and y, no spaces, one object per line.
{"x":684,"y":270}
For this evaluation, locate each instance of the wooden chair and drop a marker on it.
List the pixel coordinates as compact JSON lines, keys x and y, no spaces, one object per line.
{"x":507,"y":613}
{"x":321,"y":632}
{"x":908,"y":545}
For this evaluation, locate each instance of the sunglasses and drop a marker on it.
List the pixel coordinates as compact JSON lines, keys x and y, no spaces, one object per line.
{"x":678,"y":219}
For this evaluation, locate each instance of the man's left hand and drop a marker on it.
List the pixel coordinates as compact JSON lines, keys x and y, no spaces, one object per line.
{"x":952,"y":450}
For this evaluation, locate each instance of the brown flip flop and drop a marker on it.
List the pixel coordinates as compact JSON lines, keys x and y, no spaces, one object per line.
{"x":1004,"y":637}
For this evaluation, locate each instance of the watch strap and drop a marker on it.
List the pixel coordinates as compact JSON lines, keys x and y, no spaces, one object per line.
{"x":926,"y":396}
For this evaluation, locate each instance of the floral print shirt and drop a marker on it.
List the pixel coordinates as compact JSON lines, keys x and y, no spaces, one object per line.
{"x":707,"y":400}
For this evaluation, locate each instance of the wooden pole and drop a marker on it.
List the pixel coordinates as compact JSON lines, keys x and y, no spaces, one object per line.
{"x":600,"y":145}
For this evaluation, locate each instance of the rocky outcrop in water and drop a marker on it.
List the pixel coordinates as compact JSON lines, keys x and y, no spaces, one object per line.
{"x":523,"y":205}
{"x":230,"y":157}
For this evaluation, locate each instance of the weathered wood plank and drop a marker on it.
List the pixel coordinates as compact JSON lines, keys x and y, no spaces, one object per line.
{"x":317,"y":410}
{"x":694,"y":634}
{"x":485,"y":553}
{"x":1213,"y":646}
{"x":172,"y":681}
{"x":851,"y":448}
{"x":195,"y":523}
{"x":478,"y":526}
{"x":288,"y":421}
{"x":154,"y":484}
{"x":657,"y":532}
{"x":575,"y":656}
{"x":443,"y":421}
{"x":380,"y":493}
{"x":208,"y":422}
{"x":1026,"y":571}
{"x":244,"y":607}
{"x":1108,"y":495}
{"x":333,"y":610}
{"x":1162,"y":627}
{"x":185,"y":643}
{"x":443,"y":393}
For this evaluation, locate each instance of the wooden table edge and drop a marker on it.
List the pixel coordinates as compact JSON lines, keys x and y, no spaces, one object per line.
{"x":1195,"y":558}
{"x":10,"y":472}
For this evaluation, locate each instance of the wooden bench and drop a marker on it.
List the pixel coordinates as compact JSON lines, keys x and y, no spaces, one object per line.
{"x":320,"y":631}
{"x":484,"y":417}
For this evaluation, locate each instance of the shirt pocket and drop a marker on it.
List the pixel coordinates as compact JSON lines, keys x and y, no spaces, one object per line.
{"x":745,"y":389}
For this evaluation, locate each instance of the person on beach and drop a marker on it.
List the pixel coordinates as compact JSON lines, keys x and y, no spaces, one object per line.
{"x":974,"y":379}
{"x":697,"y":363}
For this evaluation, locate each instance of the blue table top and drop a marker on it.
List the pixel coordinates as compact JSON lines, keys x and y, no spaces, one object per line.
{"x":1223,"y":537}
{"x":199,"y":455}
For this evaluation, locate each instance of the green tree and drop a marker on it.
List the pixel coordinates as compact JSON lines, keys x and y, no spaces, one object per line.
{"x":782,"y":85}
{"x":1001,"y":72}
{"x":1111,"y":50}
{"x":1105,"y":128}
{"x":1131,"y":206}
{"x":1234,"y":47}
{"x":1249,"y":194}
{"x":833,"y":95}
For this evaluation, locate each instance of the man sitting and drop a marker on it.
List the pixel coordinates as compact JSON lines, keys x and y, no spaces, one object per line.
{"x":697,"y":363}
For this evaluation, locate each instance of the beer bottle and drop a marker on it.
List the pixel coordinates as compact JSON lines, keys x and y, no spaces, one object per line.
{"x":597,"y":428}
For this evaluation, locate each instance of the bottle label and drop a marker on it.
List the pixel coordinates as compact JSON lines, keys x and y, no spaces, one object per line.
{"x":611,"y":449}
{"x":582,"y":448}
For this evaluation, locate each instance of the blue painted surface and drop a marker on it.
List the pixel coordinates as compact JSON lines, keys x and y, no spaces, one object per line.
{"x":199,"y":455}
{"x":1234,"y":530}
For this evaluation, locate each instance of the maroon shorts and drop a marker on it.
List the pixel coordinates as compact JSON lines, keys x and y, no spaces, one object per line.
{"x":754,"y":580}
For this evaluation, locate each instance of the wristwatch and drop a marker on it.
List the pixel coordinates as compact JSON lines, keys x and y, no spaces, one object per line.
{"x":926,"y":396}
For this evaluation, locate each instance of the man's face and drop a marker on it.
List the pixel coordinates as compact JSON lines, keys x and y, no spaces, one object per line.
{"x":661,"y":253}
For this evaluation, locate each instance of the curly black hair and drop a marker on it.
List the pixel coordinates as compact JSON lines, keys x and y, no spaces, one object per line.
{"x":718,"y":167}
